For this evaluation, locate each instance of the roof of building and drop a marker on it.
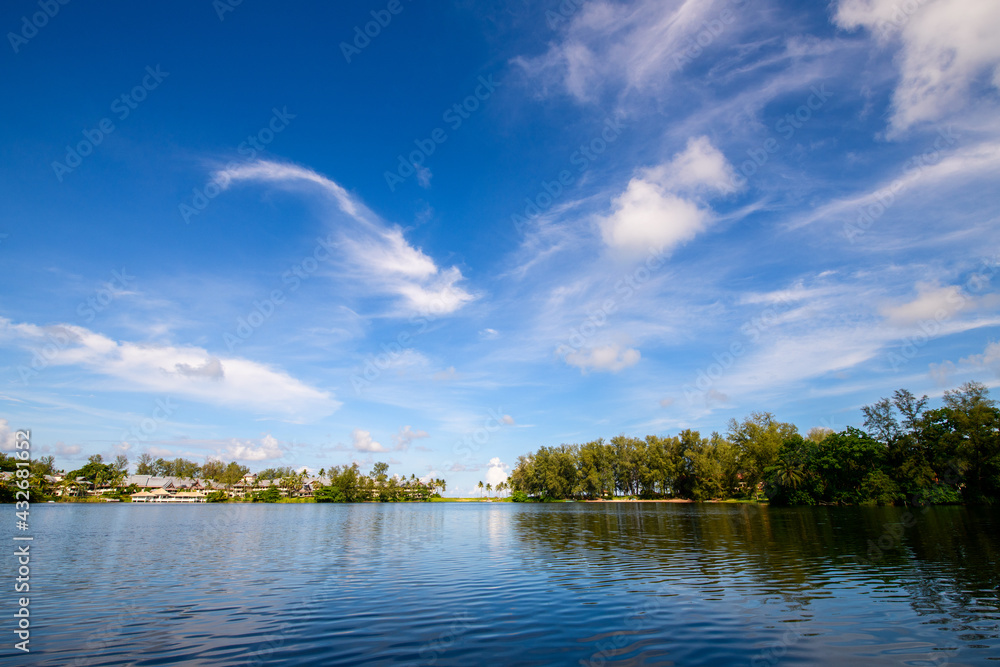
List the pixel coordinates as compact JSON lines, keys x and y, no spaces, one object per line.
{"x":153,"y":482}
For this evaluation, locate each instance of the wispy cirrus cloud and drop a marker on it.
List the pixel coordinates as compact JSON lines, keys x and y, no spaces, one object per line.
{"x":375,"y":254}
{"x":932,"y":302}
{"x":619,"y":46}
{"x":938,"y":168}
{"x":607,"y":358}
{"x":406,"y":435}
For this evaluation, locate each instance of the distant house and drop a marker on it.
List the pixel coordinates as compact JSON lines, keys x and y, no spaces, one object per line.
{"x":310,"y":485}
{"x":163,"y":495}
{"x":149,"y":483}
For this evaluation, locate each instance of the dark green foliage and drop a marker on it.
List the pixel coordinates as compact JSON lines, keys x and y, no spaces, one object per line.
{"x":329,"y":494}
{"x":7,"y":463}
{"x":95,"y":471}
{"x":179,"y":467}
{"x":269,"y":495}
{"x":349,"y":485}
{"x":275,"y":473}
{"x":907,"y":454}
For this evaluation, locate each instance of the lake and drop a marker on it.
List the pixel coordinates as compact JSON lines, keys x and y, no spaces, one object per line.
{"x":503,"y":583}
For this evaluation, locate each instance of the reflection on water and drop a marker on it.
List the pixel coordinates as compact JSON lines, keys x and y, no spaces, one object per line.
{"x":591,"y":584}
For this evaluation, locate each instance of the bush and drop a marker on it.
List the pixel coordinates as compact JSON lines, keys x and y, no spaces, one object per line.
{"x":269,"y":495}
{"x":877,"y":488}
{"x":939,"y":494}
{"x":216,"y":497}
{"x":329,"y":494}
{"x":519,"y":497}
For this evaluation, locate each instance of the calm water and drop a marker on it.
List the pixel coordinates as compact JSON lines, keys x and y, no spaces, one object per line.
{"x":469,"y":584}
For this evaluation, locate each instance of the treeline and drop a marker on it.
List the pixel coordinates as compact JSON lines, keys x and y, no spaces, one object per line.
{"x":906,"y":453}
{"x":212,"y":469}
{"x":347,"y":483}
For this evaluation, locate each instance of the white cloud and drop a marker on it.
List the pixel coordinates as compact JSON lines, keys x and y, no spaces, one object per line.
{"x":362,"y":441}
{"x":62,"y":449}
{"x":162,"y":452}
{"x":508,"y":420}
{"x":406,"y":436}
{"x":423,"y":176}
{"x":461,"y":467}
{"x":623,"y":45}
{"x":210,"y":369}
{"x":496,"y":472}
{"x":700,"y":167}
{"x":666,"y":402}
{"x":932,"y":303}
{"x":652,"y":215}
{"x":489,"y":334}
{"x":7,"y":437}
{"x":448,"y":374}
{"x":175,"y":370}
{"x":647,"y":218}
{"x":376,"y":255}
{"x":263,"y":449}
{"x":716,"y":396}
{"x":989,"y":359}
{"x":924,"y":173}
{"x":941,"y":373}
{"x":610,"y":358}
{"x":945,"y":46}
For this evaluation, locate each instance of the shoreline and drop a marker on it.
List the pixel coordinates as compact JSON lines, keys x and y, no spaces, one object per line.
{"x":640,"y":500}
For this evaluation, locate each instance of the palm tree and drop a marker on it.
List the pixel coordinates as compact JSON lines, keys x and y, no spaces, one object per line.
{"x":789,"y":474}
{"x":489,"y":487}
{"x":480,"y":486}
{"x":118,"y":478}
{"x":71,"y":487}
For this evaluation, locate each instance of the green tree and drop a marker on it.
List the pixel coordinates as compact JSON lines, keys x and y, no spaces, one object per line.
{"x":95,"y":471}
{"x":844,"y":461}
{"x":269,"y":495}
{"x":213,"y":469}
{"x":329,"y":494}
{"x":818,"y":433}
{"x":975,"y":437}
{"x":46,"y":465}
{"x":758,"y":440}
{"x":145,"y":465}
{"x":232,"y":474}
{"x":596,"y":475}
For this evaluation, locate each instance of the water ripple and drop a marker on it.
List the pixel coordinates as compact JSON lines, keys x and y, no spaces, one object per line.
{"x":451,"y":584}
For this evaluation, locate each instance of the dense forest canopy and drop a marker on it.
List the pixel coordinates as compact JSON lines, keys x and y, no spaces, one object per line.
{"x":906,"y":453}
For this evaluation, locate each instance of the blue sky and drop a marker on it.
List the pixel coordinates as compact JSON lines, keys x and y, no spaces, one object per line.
{"x":254,"y":231}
